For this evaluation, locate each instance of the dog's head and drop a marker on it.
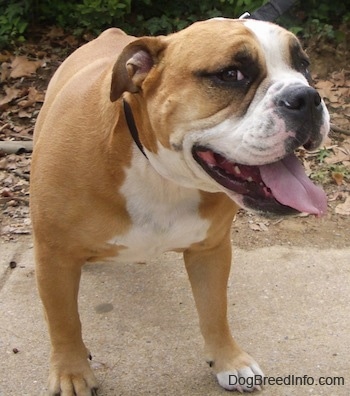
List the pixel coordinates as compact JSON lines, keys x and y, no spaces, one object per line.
{"x":224,"y":104}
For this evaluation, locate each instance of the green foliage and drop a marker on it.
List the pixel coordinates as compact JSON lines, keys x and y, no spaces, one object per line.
{"x":309,"y":18}
{"x":91,"y":15}
{"x":325,"y":174}
{"x":319,"y":18}
{"x":96,"y":15}
{"x":325,"y":11}
{"x":155,"y":17}
{"x":323,"y":154}
{"x":13,"y":22}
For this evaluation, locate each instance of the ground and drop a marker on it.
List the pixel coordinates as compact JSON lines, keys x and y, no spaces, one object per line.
{"x":25,"y":73}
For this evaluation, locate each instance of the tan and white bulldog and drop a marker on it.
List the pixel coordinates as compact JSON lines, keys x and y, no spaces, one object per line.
{"x":218,"y":110}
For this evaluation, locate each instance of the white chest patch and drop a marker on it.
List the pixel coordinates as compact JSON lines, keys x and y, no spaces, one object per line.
{"x":164,"y":215}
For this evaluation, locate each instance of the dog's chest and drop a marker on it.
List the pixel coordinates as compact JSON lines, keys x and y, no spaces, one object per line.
{"x":164,"y":216}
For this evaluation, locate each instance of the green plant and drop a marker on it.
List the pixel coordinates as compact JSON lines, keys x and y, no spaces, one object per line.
{"x":323,"y":153}
{"x":92,"y":15}
{"x":325,"y":173}
{"x":318,"y":19}
{"x":308,"y":18}
{"x":341,"y":169}
{"x":97,"y":14}
{"x":13,"y":22}
{"x":155,"y":17}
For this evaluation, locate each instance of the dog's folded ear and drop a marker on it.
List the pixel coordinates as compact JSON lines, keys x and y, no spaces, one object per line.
{"x":134,"y":64}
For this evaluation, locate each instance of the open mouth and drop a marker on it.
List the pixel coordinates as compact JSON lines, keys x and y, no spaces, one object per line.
{"x":281,"y":187}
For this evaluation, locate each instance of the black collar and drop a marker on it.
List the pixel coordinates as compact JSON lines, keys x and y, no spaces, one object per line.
{"x":270,"y":11}
{"x":132,"y":126}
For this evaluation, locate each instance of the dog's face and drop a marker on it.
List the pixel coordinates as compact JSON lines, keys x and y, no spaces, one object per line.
{"x":227,"y":103}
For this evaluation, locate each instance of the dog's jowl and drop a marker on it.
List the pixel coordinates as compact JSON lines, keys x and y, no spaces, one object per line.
{"x":151,"y":144}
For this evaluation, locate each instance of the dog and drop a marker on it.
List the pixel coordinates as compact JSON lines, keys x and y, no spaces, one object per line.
{"x":152,"y":144}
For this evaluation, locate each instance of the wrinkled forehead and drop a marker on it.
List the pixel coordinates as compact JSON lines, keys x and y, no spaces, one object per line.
{"x":219,"y":40}
{"x":215,"y":40}
{"x":279,"y":46}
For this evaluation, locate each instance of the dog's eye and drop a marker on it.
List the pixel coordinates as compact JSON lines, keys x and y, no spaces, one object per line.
{"x":230,"y":75}
{"x":304,"y":65}
{"x":229,"y":78}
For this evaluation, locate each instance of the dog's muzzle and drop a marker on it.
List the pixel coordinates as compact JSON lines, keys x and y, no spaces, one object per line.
{"x":298,"y":118}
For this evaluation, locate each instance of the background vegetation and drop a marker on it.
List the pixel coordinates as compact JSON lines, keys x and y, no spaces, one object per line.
{"x":17,"y":17}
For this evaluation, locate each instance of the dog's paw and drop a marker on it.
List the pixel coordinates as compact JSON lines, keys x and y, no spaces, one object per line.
{"x":245,"y":379}
{"x":235,"y":369}
{"x":72,"y":379}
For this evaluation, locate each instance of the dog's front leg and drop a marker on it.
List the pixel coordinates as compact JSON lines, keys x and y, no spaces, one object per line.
{"x":58,"y":282}
{"x":208,"y":271}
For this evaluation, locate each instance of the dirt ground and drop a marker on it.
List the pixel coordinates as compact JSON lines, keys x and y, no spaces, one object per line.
{"x":250,"y":231}
{"x":24,"y":75}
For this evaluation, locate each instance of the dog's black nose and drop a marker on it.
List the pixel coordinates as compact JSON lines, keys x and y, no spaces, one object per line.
{"x":301,"y":99}
{"x":301,"y":108}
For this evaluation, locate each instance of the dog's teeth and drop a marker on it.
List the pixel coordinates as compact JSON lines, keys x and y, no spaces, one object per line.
{"x":250,"y":179}
{"x":237,"y":170}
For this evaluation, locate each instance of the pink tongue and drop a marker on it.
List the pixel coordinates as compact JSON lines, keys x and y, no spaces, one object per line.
{"x":290,"y":186}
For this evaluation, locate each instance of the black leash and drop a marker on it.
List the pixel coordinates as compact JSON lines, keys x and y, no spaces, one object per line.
{"x":270,"y":11}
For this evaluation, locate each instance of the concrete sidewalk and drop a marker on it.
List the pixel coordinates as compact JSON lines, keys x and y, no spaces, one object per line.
{"x":289,"y":308}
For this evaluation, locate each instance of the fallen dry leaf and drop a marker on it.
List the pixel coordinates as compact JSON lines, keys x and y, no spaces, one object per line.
{"x":339,"y":78}
{"x":263,"y":227}
{"x":258,"y":227}
{"x":55,"y":32}
{"x":338,"y":178}
{"x":5,"y":56}
{"x":340,"y":155}
{"x":11,"y":94}
{"x":5,"y":71}
{"x":344,"y":208}
{"x":22,"y":67}
{"x":24,"y":114}
{"x":33,"y":97}
{"x":347,"y":111}
{"x":324,"y":88}
{"x":3,"y":163}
